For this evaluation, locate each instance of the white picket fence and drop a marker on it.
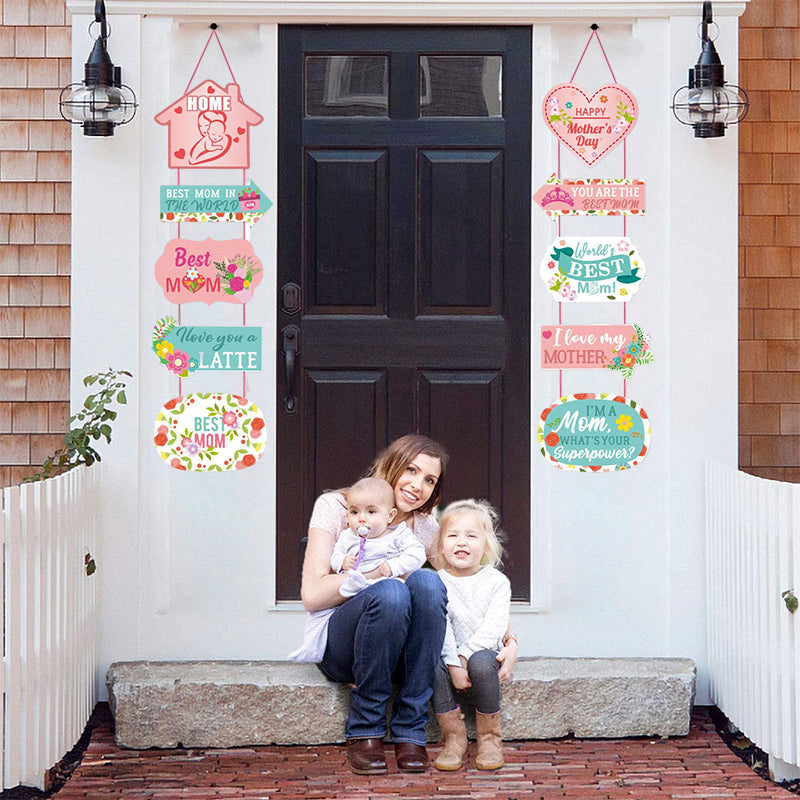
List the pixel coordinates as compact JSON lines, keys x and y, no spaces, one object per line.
{"x":753,"y":555}
{"x":49,"y":614}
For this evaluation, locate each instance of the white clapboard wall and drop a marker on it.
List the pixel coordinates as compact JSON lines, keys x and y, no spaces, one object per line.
{"x":49,"y":608}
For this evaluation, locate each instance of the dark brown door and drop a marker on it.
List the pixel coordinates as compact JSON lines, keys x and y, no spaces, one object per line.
{"x":404,"y":265}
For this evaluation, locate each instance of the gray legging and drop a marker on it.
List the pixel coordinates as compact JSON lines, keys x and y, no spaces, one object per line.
{"x":482,"y":669}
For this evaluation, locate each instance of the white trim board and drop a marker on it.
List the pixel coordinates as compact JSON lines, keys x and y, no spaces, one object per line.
{"x":414,"y":11}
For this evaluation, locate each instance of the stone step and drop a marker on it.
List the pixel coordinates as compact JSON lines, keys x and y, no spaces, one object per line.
{"x":240,"y":703}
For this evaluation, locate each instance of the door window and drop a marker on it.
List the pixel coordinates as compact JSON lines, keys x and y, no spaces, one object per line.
{"x":461,"y":86}
{"x":346,"y":86}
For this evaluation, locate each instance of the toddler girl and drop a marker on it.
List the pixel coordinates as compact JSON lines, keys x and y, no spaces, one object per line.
{"x":478,"y":602}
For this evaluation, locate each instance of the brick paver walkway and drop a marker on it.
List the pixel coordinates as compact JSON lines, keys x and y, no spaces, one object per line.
{"x":698,"y":766}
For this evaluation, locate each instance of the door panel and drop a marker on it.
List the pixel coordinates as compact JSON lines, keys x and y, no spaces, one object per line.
{"x":347,"y":247}
{"x":404,"y":216}
{"x":457,"y":271}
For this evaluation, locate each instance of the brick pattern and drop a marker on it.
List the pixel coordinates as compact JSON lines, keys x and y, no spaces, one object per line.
{"x":35,"y":195}
{"x":769,"y":239}
{"x":697,"y":766}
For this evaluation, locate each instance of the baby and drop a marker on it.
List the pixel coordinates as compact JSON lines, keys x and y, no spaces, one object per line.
{"x":367,"y":544}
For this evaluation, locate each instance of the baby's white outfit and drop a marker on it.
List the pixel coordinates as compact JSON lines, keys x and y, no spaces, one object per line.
{"x":398,"y":546}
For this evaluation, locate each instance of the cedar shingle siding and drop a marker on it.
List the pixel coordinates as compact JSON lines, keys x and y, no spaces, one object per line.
{"x":35,"y":251}
{"x":34,"y":234}
{"x":769,"y":239}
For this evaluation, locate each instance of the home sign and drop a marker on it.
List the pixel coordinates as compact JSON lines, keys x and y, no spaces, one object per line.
{"x":209,"y":128}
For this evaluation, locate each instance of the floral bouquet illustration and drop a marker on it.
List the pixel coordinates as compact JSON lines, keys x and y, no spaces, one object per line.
{"x":176,"y":361}
{"x":237,"y":276}
{"x":637,"y":351}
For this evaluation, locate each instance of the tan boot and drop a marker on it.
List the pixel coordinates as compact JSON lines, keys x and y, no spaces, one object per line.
{"x":490,"y":741}
{"x":455,"y":740}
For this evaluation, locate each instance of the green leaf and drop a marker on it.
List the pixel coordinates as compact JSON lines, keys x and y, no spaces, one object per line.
{"x":91,"y":567}
{"x":610,"y":297}
{"x":790,"y":599}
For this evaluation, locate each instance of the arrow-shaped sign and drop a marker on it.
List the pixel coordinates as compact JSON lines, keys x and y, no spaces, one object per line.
{"x":214,"y":203}
{"x":592,"y":196}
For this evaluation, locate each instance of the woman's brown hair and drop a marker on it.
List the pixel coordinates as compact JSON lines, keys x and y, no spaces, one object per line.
{"x":392,"y":462}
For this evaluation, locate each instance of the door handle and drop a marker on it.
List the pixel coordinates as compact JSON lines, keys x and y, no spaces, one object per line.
{"x":291,"y":348}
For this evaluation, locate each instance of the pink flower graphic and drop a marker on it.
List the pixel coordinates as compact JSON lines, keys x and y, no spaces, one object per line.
{"x":177,"y":362}
{"x":230,"y":419}
{"x":237,"y":284}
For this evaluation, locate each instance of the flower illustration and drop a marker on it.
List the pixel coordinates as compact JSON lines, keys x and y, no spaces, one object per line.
{"x":623,"y":245}
{"x":193,"y":449}
{"x":628,"y":360}
{"x":624,"y":422}
{"x":193,"y":364}
{"x":257,"y":424}
{"x":551,"y":264}
{"x":237,"y":284}
{"x":568,"y":105}
{"x":163,"y":429}
{"x":230,"y":419}
{"x":551,"y":440}
{"x":246,"y":283}
{"x":634,"y":348}
{"x":186,"y":441}
{"x":163,"y":349}
{"x":564,"y":290}
{"x":623,"y":291}
{"x":249,"y":460}
{"x":192,"y":273}
{"x":160,"y":439}
{"x":572,"y":295}
{"x":231,"y":268}
{"x":603,"y":98}
{"x":177,"y":362}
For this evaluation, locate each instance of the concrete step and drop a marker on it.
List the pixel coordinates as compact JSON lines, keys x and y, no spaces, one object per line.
{"x":239,"y":703}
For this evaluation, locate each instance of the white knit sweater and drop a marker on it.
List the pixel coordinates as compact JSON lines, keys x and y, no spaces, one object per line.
{"x":477,"y":613}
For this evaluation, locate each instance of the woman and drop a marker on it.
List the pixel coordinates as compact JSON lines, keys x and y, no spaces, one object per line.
{"x":390,"y":627}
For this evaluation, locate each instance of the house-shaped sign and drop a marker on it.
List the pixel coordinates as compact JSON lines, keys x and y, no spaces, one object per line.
{"x":209,"y":128}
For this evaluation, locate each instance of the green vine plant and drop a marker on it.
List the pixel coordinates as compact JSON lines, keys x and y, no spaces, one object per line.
{"x":88,"y":426}
{"x":790,"y":599}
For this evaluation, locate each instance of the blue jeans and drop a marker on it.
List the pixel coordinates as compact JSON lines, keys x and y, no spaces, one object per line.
{"x":389,"y":628}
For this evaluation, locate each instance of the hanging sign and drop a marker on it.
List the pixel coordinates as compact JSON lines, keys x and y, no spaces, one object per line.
{"x":213,"y":204}
{"x":209,"y":128}
{"x":591,"y":196}
{"x":184,"y":349}
{"x":614,"y":347}
{"x":211,"y":271}
{"x":594,"y":433}
{"x":209,"y":432}
{"x":592,"y":269}
{"x":590,"y":126}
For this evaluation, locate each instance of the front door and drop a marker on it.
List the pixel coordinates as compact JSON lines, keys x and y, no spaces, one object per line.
{"x":404,"y":265}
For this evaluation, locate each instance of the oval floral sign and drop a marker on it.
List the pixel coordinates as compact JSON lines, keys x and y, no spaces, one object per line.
{"x":594,"y":433}
{"x":209,"y":432}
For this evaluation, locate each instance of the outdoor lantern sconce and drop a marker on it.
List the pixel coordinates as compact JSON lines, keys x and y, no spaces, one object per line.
{"x":102,"y":100}
{"x":708,"y":104}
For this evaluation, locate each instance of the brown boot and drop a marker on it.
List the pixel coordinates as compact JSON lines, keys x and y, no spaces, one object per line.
{"x":455,"y":740}
{"x":490,"y":741}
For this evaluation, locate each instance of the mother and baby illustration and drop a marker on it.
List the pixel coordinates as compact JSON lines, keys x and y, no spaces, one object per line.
{"x":214,"y":140}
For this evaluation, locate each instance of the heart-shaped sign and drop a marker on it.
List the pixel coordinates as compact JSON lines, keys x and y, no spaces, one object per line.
{"x":590,"y":126}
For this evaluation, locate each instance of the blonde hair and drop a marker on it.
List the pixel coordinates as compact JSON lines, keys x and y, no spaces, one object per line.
{"x":490,"y":524}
